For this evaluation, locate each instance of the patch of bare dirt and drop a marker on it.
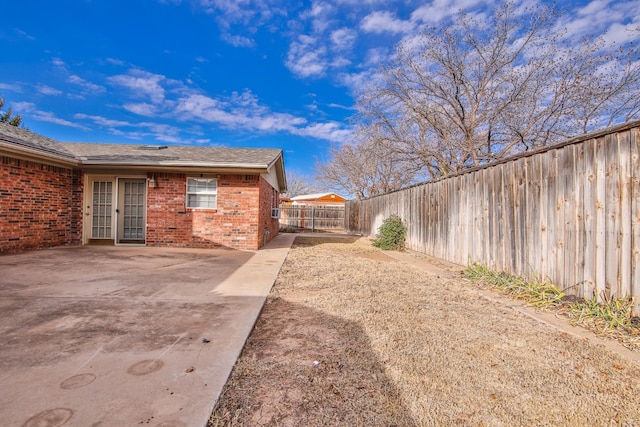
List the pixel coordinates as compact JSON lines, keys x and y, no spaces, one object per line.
{"x":348,"y":338}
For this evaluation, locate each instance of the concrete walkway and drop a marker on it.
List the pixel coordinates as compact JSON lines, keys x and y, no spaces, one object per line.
{"x":124,"y":336}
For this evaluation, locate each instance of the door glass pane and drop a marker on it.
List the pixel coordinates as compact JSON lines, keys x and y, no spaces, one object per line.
{"x":101,"y":221}
{"x":133,"y":215}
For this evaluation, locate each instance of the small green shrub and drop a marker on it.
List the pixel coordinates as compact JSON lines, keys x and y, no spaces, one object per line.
{"x":391,"y":234}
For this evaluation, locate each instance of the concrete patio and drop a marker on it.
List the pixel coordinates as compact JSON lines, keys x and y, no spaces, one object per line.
{"x":126,"y":335}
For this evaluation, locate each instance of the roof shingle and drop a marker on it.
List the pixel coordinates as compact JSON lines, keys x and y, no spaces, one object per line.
{"x":27,"y":139}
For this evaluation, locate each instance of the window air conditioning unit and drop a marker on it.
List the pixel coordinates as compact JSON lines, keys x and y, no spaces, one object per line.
{"x":275,"y":212}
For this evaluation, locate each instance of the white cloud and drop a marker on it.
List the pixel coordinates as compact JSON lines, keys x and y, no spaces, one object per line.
{"x":87,"y":87}
{"x":385,"y":22}
{"x":330,"y":131}
{"x":243,"y":111}
{"x":233,"y":10}
{"x":238,"y":41}
{"x":24,"y":34}
{"x":320,"y":13}
{"x":306,"y":58}
{"x":340,"y":106}
{"x":48,"y":90}
{"x":163,"y":132}
{"x":343,"y":38}
{"x":46,"y":116}
{"x":612,"y":19}
{"x":25,"y":107}
{"x":204,"y":108}
{"x":359,"y":82}
{"x":441,"y":10}
{"x":30,"y":110}
{"x":240,"y":111}
{"x":238,"y":17}
{"x":142,"y":109}
{"x":339,"y":62}
{"x":14,"y":87}
{"x":142,"y":84}
{"x":115,"y":61}
{"x":141,"y":130}
{"x":58,"y":62}
{"x":377,"y":56}
{"x":102,"y":121}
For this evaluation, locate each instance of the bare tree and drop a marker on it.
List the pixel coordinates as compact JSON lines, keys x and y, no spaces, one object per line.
{"x":299,"y":183}
{"x":482,"y":89}
{"x":365,"y":168}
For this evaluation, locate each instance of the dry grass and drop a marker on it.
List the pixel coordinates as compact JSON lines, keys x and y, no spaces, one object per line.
{"x":352,"y":337}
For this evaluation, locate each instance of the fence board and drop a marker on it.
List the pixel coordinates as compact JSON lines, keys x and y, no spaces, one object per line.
{"x":612,"y":212}
{"x":624,"y":224}
{"x":552,"y":215}
{"x":589,"y":202}
{"x":532,"y":196}
{"x":508,"y":226}
{"x":468,"y":220}
{"x":488,"y":218}
{"x":542,"y":261}
{"x":579,"y":242}
{"x":570,"y":224}
{"x":600,"y":216}
{"x":634,"y":141}
{"x":520,"y":214}
{"x":478,"y":209}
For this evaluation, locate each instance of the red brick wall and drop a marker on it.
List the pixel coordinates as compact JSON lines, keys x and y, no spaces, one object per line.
{"x":268,"y":199}
{"x":40,"y":205}
{"x":236,"y":223}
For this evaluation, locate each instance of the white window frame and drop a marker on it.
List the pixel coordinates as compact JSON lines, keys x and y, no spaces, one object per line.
{"x":206,"y":191}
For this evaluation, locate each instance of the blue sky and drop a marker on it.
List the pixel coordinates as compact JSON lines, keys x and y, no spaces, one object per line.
{"x":239,"y":73}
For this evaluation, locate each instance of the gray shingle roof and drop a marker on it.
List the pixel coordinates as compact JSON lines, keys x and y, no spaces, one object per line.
{"x":144,"y":156}
{"x":29,"y":140}
{"x":172,"y":154}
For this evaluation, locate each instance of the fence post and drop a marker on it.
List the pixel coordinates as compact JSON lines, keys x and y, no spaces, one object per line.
{"x":313,"y":219}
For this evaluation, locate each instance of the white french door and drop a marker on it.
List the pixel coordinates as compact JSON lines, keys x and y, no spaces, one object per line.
{"x":131,"y":210}
{"x":102,"y":210}
{"x":117,"y":210}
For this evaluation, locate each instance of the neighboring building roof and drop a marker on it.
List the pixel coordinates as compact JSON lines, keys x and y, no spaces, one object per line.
{"x":313,"y":197}
{"x":138,"y":156}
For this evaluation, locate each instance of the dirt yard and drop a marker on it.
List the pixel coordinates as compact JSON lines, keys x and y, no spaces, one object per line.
{"x":352,"y":337}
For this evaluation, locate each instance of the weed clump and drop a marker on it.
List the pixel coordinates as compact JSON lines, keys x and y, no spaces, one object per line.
{"x":391,"y":234}
{"x":612,"y":313}
{"x":538,"y":293}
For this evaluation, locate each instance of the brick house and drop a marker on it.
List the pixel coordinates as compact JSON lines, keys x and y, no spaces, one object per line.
{"x":54,"y":194}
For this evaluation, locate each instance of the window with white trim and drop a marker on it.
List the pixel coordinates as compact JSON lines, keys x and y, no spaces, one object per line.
{"x":202,"y":193}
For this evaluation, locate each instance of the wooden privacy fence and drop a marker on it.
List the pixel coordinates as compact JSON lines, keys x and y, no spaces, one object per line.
{"x":569,"y":213}
{"x":311,"y":217}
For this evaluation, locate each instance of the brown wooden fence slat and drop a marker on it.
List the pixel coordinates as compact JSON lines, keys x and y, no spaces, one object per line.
{"x":634,"y":141}
{"x":589,"y":202}
{"x":601,"y":235}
